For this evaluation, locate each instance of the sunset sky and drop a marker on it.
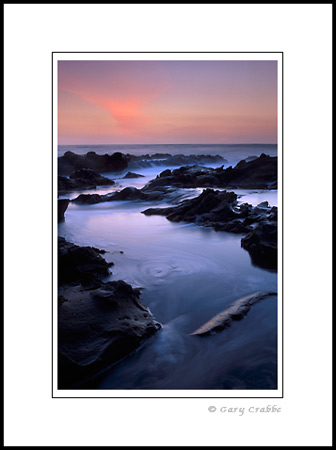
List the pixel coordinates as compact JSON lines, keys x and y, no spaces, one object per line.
{"x":167,"y":102}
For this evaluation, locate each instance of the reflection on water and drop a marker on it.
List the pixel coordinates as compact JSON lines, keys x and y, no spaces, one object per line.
{"x":188,"y":275}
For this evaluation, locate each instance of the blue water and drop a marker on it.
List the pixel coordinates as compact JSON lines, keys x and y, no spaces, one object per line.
{"x":187,"y":274}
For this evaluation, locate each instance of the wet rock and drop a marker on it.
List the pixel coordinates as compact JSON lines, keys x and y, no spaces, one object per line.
{"x":82,"y":179}
{"x":260,"y":173}
{"x":166,"y":159}
{"x":90,"y":177}
{"x":62,"y":207}
{"x":129,"y":193}
{"x":219,"y":210}
{"x":98,"y":323}
{"x":70,"y":162}
{"x":88,"y":199}
{"x":261,"y":243}
{"x":166,"y":193}
{"x":209,"y":206}
{"x":98,"y":327}
{"x":133,"y":175}
{"x":79,"y":264}
{"x":67,"y":184}
{"x":237,"y":311}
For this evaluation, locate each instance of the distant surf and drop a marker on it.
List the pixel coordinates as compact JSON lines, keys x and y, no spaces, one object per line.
{"x":232,"y":152}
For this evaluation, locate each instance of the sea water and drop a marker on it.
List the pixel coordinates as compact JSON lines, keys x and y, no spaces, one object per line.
{"x":187,"y":274}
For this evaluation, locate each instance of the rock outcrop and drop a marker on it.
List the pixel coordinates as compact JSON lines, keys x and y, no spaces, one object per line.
{"x":262,"y":245}
{"x":167,"y":193}
{"x":62,"y":205}
{"x":82,"y":179}
{"x":260,"y":173}
{"x":98,"y":322}
{"x":118,"y":162}
{"x":220,"y":210}
{"x":80,"y":264}
{"x":166,"y":159}
{"x":70,"y":162}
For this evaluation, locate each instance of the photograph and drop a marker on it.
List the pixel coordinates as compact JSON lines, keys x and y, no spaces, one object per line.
{"x":165,"y":275}
{"x":167,"y":240}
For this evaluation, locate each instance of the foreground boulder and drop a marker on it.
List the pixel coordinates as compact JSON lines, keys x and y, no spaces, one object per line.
{"x":237,"y":311}
{"x":62,"y":207}
{"x":98,"y":327}
{"x":98,"y":322}
{"x":80,"y":264}
{"x":259,"y":173}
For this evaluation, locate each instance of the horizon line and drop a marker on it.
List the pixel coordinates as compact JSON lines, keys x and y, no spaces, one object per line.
{"x":202,"y":143}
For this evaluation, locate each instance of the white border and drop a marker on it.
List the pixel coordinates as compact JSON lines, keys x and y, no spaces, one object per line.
{"x":304,"y":33}
{"x":168,"y":393}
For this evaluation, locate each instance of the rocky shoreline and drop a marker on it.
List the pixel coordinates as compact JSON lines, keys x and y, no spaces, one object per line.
{"x":118,"y":162}
{"x":98,"y":322}
{"x":220,"y":210}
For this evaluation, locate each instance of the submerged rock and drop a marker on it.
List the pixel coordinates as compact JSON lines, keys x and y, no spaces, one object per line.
{"x":237,"y":311}
{"x":98,"y":323}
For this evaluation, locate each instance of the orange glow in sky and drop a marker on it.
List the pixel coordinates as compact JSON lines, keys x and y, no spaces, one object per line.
{"x":167,"y":102}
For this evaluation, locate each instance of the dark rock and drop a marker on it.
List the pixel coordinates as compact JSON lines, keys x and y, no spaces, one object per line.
{"x":82,"y":179}
{"x":62,"y":207}
{"x":131,"y":193}
{"x":98,"y":323}
{"x":79,"y":264}
{"x":260,"y":173}
{"x":219,"y":210}
{"x":90,"y":177}
{"x":67,"y":184}
{"x":98,"y":327}
{"x":201,"y":209}
{"x":88,"y":199}
{"x":166,"y":159}
{"x":100,"y":163}
{"x":261,"y":243}
{"x":251,"y":158}
{"x":133,"y":175}
{"x":237,"y":311}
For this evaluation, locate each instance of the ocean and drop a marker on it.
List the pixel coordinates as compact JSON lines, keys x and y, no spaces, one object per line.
{"x":187,"y":274}
{"x":232,"y":152}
